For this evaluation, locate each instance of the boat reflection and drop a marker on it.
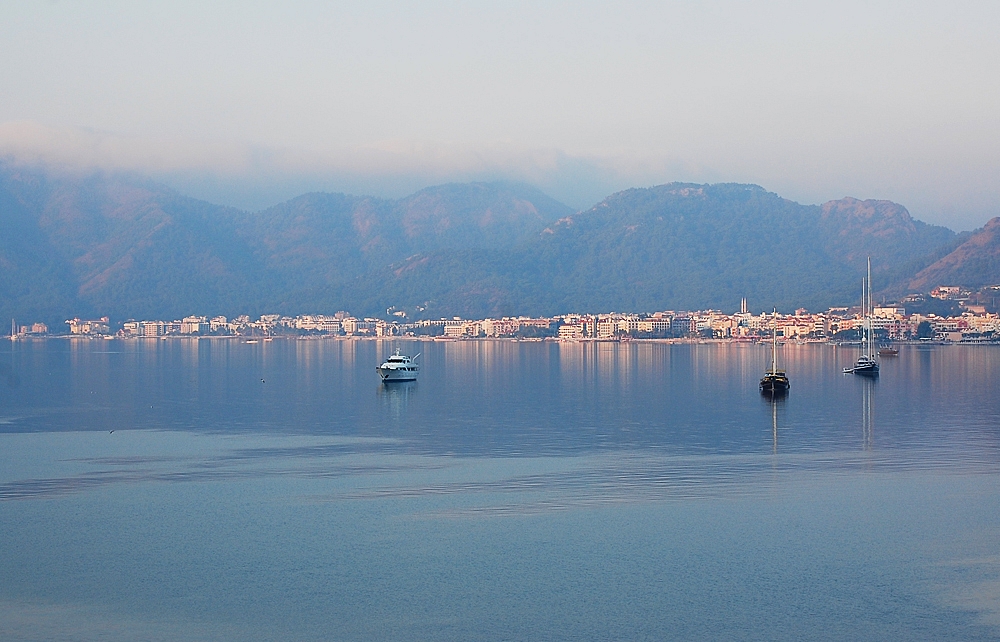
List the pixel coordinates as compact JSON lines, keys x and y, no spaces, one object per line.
{"x":868,"y":413}
{"x":774,"y":400}
{"x":395,"y":396}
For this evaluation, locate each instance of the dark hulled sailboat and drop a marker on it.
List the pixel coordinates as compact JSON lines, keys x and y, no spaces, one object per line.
{"x":866,"y":364}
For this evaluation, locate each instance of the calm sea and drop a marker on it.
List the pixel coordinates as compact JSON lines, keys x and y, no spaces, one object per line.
{"x":217,"y":490}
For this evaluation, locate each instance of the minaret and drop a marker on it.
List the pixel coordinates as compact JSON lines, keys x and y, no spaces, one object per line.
{"x":743,"y":306}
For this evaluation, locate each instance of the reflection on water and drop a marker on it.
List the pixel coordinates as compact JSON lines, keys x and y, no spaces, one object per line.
{"x":395,"y":397}
{"x":774,"y":401}
{"x":774,"y":426}
{"x":8,"y":376}
{"x":508,"y":398}
{"x":504,"y":399}
{"x":517,"y":491}
{"x":868,"y":412}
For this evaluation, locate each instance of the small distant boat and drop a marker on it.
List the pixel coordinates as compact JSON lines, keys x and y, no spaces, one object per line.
{"x":866,"y":365}
{"x":888,"y":351}
{"x":399,"y":367}
{"x":774,"y":382}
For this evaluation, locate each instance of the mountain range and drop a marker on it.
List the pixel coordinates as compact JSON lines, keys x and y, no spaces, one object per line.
{"x":121,"y":245}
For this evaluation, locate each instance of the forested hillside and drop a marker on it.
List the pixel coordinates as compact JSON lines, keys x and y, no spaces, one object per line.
{"x":123,"y":246}
{"x":681,"y":246}
{"x":974,"y":263}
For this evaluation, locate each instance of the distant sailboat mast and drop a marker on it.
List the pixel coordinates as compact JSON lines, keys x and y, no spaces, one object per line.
{"x":774,"y":341}
{"x":871,"y":329}
{"x":864,"y":316}
{"x":866,"y":364}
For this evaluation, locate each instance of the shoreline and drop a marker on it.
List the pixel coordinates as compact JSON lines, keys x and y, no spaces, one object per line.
{"x":677,"y":340}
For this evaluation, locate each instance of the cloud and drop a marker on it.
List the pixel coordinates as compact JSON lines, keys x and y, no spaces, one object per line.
{"x":252,"y":176}
{"x":83,"y":149}
{"x":75,"y":148}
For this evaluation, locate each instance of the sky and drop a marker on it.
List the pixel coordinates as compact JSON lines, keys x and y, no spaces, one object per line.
{"x":249,"y":104}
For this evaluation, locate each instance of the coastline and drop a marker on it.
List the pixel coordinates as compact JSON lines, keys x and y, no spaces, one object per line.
{"x":675,"y":340}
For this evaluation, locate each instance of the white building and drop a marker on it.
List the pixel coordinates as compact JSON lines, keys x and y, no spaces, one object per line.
{"x":96,"y":326}
{"x":194,"y":325}
{"x":152,"y":328}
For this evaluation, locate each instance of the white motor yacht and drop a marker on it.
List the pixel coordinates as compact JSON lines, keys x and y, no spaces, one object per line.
{"x":399,"y":367}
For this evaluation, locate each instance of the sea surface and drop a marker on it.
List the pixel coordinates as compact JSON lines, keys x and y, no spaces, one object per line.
{"x":219,"y":490}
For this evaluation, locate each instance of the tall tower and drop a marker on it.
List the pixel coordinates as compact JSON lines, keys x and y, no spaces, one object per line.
{"x":743,"y":306}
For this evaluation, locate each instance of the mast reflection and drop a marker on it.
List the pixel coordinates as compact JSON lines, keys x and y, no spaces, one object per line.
{"x":774,"y":426}
{"x":868,"y":413}
{"x":774,"y":400}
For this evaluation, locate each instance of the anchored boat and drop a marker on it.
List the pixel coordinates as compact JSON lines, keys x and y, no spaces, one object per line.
{"x":399,"y":367}
{"x":774,"y":382}
{"x":866,"y":364}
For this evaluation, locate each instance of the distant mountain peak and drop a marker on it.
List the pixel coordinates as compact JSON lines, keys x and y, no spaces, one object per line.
{"x":875,"y":216}
{"x":974,"y":263}
{"x":883,"y":230}
{"x":688,"y":191}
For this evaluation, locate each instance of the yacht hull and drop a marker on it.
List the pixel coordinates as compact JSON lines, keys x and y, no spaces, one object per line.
{"x":864,"y":372}
{"x":392,"y":375}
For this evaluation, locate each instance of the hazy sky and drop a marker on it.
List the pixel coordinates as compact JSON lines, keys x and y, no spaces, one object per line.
{"x":249,"y":104}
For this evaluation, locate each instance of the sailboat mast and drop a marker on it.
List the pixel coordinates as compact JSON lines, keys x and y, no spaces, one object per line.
{"x":871,"y":331}
{"x":774,"y":341}
{"x":864,"y":316}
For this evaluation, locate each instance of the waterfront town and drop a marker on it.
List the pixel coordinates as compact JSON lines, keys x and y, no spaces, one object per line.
{"x":972,"y":323}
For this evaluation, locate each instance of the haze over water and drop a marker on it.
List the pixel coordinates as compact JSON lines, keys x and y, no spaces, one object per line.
{"x":518,"y":490}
